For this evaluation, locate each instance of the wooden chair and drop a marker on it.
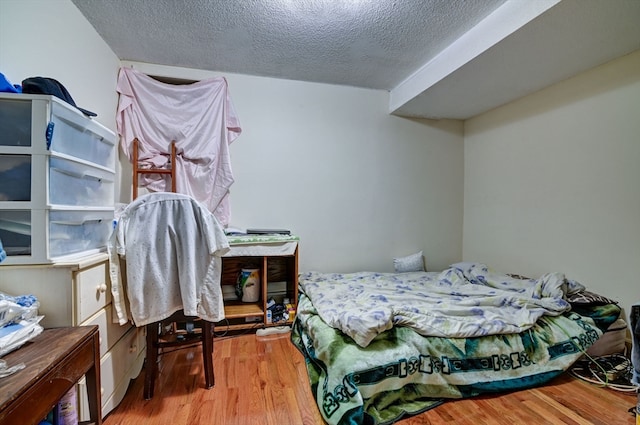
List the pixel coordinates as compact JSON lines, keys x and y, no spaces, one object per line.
{"x":158,"y":339}
{"x":178,"y":330}
{"x":137,"y":171}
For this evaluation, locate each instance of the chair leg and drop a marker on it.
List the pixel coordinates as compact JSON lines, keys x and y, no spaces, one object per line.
{"x":151,"y":361}
{"x":207,"y":353}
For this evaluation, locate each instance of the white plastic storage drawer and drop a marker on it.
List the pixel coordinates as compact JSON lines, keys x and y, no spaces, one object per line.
{"x":15,"y":232}
{"x":47,"y":124}
{"x":71,"y":232}
{"x":73,"y":183}
{"x":23,"y":178}
{"x":15,"y":122}
{"x":76,"y":135}
{"x":15,"y":177}
{"x":44,"y":236}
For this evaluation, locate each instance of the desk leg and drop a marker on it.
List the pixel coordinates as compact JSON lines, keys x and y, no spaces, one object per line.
{"x":93,"y":384}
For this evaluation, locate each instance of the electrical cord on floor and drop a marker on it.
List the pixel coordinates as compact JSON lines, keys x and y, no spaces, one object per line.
{"x":224,"y":334}
{"x":611,"y":371}
{"x":604,"y":371}
{"x":166,"y":350}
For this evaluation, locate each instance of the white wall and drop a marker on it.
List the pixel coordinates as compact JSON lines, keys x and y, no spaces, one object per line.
{"x":51,"y":38}
{"x":552,"y":182}
{"x":358,"y":185}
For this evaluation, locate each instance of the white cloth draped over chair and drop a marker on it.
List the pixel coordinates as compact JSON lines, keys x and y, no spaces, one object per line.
{"x":172,"y":246}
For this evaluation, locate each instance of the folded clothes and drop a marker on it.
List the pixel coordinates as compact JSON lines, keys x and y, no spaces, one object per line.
{"x":15,"y":335}
{"x":14,"y":309}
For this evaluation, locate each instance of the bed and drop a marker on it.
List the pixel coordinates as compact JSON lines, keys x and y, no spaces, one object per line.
{"x":382,"y":346}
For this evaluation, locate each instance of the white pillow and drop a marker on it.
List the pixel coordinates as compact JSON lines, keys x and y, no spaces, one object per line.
{"x":410,"y":263}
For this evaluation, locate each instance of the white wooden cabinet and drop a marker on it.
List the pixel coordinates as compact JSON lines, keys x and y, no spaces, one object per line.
{"x":75,"y":294}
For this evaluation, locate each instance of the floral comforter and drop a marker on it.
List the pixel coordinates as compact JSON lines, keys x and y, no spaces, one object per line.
{"x":465,"y":300}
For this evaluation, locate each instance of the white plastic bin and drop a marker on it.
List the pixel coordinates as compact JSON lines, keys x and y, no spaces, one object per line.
{"x":15,"y":122}
{"x":76,"y":184}
{"x":15,"y":232}
{"x":71,"y":232}
{"x":74,"y":134}
{"x":47,"y":124}
{"x":43,"y":236}
{"x":15,"y":177}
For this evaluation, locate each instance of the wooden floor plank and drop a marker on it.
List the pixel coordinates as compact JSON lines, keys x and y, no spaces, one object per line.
{"x":263,"y":380}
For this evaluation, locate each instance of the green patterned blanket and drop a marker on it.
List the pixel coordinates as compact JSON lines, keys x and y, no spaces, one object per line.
{"x":401,"y":373}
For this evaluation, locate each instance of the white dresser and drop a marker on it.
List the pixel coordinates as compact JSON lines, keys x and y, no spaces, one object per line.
{"x":57,"y":193}
{"x":76,"y":294}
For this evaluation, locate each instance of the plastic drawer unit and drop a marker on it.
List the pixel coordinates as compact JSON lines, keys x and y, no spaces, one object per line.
{"x":57,"y":180}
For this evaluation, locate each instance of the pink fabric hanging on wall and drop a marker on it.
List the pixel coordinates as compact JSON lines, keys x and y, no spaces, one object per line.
{"x":201,"y":119}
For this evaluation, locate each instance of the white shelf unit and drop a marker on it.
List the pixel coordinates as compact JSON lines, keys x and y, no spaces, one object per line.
{"x":277,"y":261}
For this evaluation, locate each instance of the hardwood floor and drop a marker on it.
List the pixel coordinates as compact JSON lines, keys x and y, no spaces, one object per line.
{"x":263,"y":380}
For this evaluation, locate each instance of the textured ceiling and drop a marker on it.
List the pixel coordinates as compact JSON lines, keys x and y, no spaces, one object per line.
{"x":409,"y":47}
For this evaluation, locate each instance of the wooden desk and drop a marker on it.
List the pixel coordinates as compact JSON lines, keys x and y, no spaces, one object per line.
{"x":55,"y":361}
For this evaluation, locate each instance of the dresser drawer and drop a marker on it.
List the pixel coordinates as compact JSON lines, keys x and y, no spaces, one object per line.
{"x":76,"y":184}
{"x":114,"y":367}
{"x":93,"y":291}
{"x":121,"y":388}
{"x":15,"y":122}
{"x":71,"y":232}
{"x":69,"y":182}
{"x":44,"y":236}
{"x":79,"y":136}
{"x":110,"y":332}
{"x":45,"y":124}
{"x":15,"y":175}
{"x":118,"y":361}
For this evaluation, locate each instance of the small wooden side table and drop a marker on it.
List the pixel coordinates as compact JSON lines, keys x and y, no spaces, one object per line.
{"x":55,"y":361}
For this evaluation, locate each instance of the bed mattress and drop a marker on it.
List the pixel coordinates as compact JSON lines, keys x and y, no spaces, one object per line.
{"x":400,"y":371}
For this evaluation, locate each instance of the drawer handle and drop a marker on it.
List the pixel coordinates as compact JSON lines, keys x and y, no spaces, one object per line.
{"x":102,"y":288}
{"x":80,"y":175}
{"x":133,"y":348}
{"x":75,"y":223}
{"x":15,"y":226}
{"x":48,"y":135}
